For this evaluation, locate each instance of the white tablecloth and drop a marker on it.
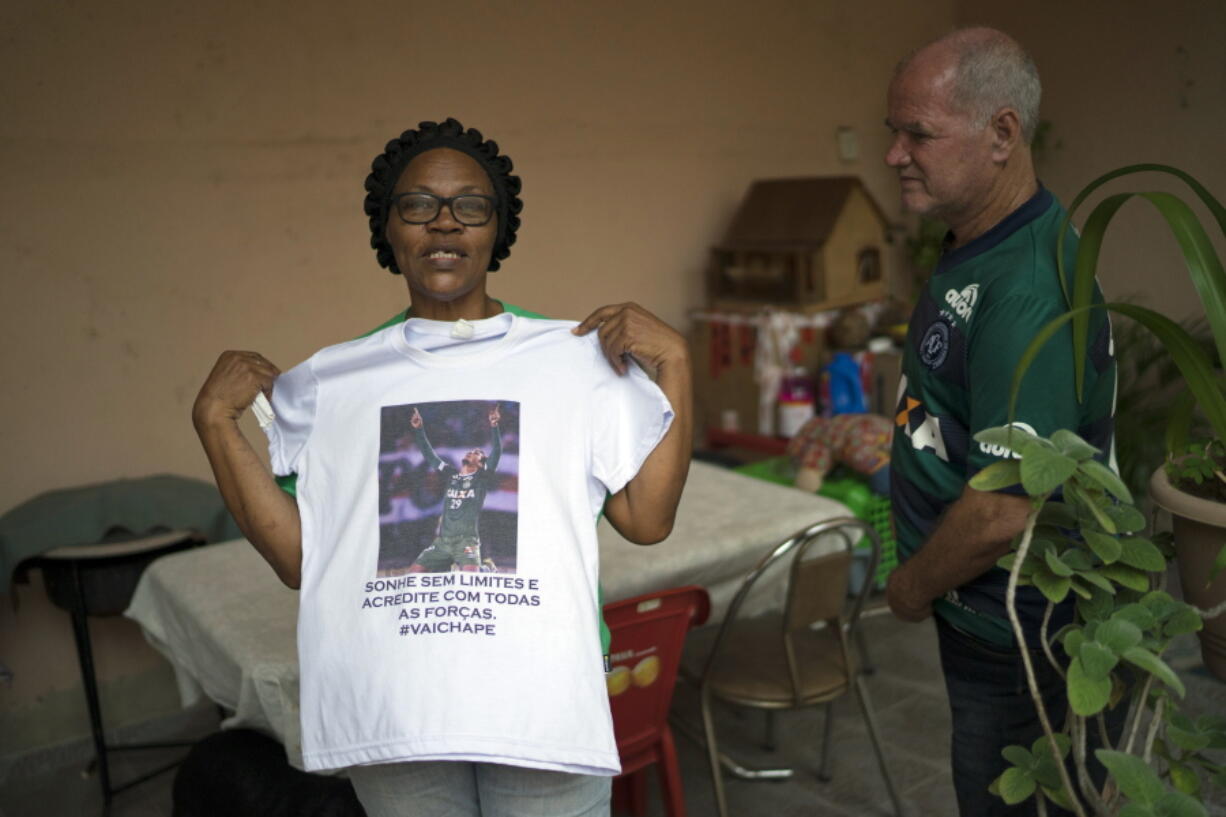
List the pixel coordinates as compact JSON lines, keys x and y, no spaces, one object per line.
{"x":227,"y":624}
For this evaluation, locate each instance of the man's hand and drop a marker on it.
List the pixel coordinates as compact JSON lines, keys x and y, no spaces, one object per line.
{"x":236,"y":379}
{"x":900,"y":594}
{"x":415,"y":419}
{"x":629,"y":329}
{"x":495,"y":416}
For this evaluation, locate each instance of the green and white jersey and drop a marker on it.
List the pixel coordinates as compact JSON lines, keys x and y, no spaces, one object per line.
{"x":465,"y":494}
{"x":982,"y":306}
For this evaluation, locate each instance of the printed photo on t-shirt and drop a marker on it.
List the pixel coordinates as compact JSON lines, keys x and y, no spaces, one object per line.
{"x":449,"y":487}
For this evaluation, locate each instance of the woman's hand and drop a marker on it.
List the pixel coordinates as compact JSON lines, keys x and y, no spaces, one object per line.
{"x":644,"y":510}
{"x":267,"y":516}
{"x":629,"y":329}
{"x":236,"y":379}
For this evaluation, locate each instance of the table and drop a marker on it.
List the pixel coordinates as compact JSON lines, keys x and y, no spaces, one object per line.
{"x":227,"y":624}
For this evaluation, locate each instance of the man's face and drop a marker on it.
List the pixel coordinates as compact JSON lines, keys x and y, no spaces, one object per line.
{"x":944,"y":160}
{"x":443,"y":260}
{"x":474,"y":460}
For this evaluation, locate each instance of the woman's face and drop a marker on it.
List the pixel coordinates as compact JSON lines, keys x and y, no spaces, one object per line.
{"x":443,"y":261}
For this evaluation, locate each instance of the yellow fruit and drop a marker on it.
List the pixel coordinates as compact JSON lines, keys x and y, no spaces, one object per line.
{"x":646,"y":671}
{"x":618,"y":680}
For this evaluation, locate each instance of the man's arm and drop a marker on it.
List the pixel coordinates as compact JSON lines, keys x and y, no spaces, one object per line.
{"x":491,"y":464}
{"x":645,"y":509}
{"x":972,"y":535}
{"x":427,"y":450}
{"x":267,"y":516}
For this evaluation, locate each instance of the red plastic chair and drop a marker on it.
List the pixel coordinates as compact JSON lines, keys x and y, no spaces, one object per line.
{"x":648,"y":635}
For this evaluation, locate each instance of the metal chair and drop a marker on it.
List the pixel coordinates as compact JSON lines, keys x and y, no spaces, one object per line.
{"x":801,"y":656}
{"x":648,"y":637}
{"x":98,"y":580}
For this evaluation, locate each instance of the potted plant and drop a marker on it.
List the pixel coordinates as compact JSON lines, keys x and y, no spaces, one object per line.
{"x":1090,"y":543}
{"x":1084,"y":537}
{"x":1192,"y":484}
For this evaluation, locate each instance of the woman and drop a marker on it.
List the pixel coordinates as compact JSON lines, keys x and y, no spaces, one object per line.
{"x":461,"y":692}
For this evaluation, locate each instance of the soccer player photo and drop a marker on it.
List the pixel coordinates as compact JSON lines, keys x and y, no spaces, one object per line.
{"x":448,"y":487}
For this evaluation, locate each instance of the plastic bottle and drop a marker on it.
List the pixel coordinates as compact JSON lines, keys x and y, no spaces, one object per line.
{"x":796,"y":393}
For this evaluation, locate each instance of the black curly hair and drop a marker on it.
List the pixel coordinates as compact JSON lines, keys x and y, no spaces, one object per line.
{"x":387,"y":167}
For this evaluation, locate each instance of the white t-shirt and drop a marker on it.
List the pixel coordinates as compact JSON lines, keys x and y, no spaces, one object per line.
{"x":497,"y":452}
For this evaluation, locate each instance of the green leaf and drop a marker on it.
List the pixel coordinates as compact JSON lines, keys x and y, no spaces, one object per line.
{"x":1134,"y":777}
{"x":1073,"y":640}
{"x":1105,"y":547}
{"x":1188,"y":740}
{"x":1056,"y":566}
{"x":1016,"y":785}
{"x":1057,"y":796}
{"x":1106,"y":479}
{"x":1101,"y":582}
{"x":1086,"y":696}
{"x":1219,"y":564}
{"x":1054,"y":587}
{"x":1127,"y":519}
{"x":1009,"y":437}
{"x":1097,"y":608}
{"x":1193,"y":364}
{"x":1184,"y":778}
{"x":1086,"y":501}
{"x":1127,"y":576}
{"x":1142,"y":554}
{"x":1059,"y":515}
{"x":1178,"y":804}
{"x":1137,"y":614}
{"x":1184,"y":620}
{"x":1097,"y":660}
{"x":1018,"y":756}
{"x":1161,"y":604}
{"x":1071,"y":445}
{"x":1118,"y":635}
{"x":998,"y":475}
{"x":1083,"y":590}
{"x":1077,"y":559}
{"x":1044,"y":470}
{"x":1041,"y":748}
{"x":1146,"y":660}
{"x":1136,"y":810}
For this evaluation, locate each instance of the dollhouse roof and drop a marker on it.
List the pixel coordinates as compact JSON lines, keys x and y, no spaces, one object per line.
{"x":794,"y":214}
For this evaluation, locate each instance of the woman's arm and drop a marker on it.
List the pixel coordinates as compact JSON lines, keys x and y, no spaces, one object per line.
{"x":267,"y":516}
{"x":643,"y":511}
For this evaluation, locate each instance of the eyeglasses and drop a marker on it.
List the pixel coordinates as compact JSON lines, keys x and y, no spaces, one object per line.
{"x":421,"y":208}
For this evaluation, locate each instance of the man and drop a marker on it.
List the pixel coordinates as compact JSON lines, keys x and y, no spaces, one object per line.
{"x":457,"y":540}
{"x":963,"y":111}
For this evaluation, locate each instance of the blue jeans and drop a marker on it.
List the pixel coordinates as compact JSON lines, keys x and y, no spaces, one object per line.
{"x":992,"y":708}
{"x":462,"y":789}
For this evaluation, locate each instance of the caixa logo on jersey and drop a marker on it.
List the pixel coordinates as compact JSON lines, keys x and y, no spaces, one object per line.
{"x":963,"y":302}
{"x":1002,"y":451}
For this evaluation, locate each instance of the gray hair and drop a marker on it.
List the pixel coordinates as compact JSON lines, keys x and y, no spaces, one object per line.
{"x":992,"y":72}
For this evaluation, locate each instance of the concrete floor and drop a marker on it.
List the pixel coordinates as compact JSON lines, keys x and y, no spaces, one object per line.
{"x":906,"y":690}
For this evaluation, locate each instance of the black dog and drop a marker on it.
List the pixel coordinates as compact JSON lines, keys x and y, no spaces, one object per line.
{"x":244,"y":773}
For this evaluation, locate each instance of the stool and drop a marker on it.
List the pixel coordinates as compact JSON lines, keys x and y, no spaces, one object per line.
{"x":98,"y":580}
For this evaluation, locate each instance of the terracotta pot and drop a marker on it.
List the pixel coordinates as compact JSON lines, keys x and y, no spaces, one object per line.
{"x":1200,"y":531}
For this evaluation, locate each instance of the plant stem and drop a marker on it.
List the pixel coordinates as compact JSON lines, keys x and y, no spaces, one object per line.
{"x":1011,"y":606}
{"x":1103,"y":737}
{"x":1079,"y":729}
{"x":1154,"y":725}
{"x":1139,"y":703}
{"x":1046,"y":646}
{"x":1137,"y":713}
